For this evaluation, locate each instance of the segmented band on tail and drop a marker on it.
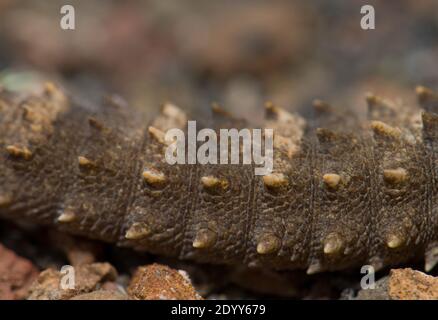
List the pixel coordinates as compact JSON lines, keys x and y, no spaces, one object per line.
{"x":344,"y":191}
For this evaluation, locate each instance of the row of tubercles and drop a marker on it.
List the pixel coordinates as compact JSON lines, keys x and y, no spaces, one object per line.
{"x":268,"y":243}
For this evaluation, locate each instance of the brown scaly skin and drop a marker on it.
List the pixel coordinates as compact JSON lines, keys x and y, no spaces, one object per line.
{"x":350,"y":194}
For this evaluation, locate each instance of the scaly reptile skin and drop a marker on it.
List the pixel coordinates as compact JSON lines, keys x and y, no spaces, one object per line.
{"x":356,"y":192}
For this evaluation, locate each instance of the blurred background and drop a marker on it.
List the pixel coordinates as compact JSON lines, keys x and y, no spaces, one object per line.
{"x":236,"y":53}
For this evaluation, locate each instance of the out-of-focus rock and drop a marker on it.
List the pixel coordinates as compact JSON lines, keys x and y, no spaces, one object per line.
{"x":101,"y":295}
{"x":87,"y":278}
{"x":380,"y":291}
{"x":269,"y":282}
{"x":159,"y":282}
{"x":403,"y":284}
{"x":16,"y":275}
{"x":408,"y":284}
{"x":78,"y":250}
{"x":234,"y":37}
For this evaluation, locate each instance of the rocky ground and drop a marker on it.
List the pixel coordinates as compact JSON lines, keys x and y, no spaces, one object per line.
{"x":138,"y":276}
